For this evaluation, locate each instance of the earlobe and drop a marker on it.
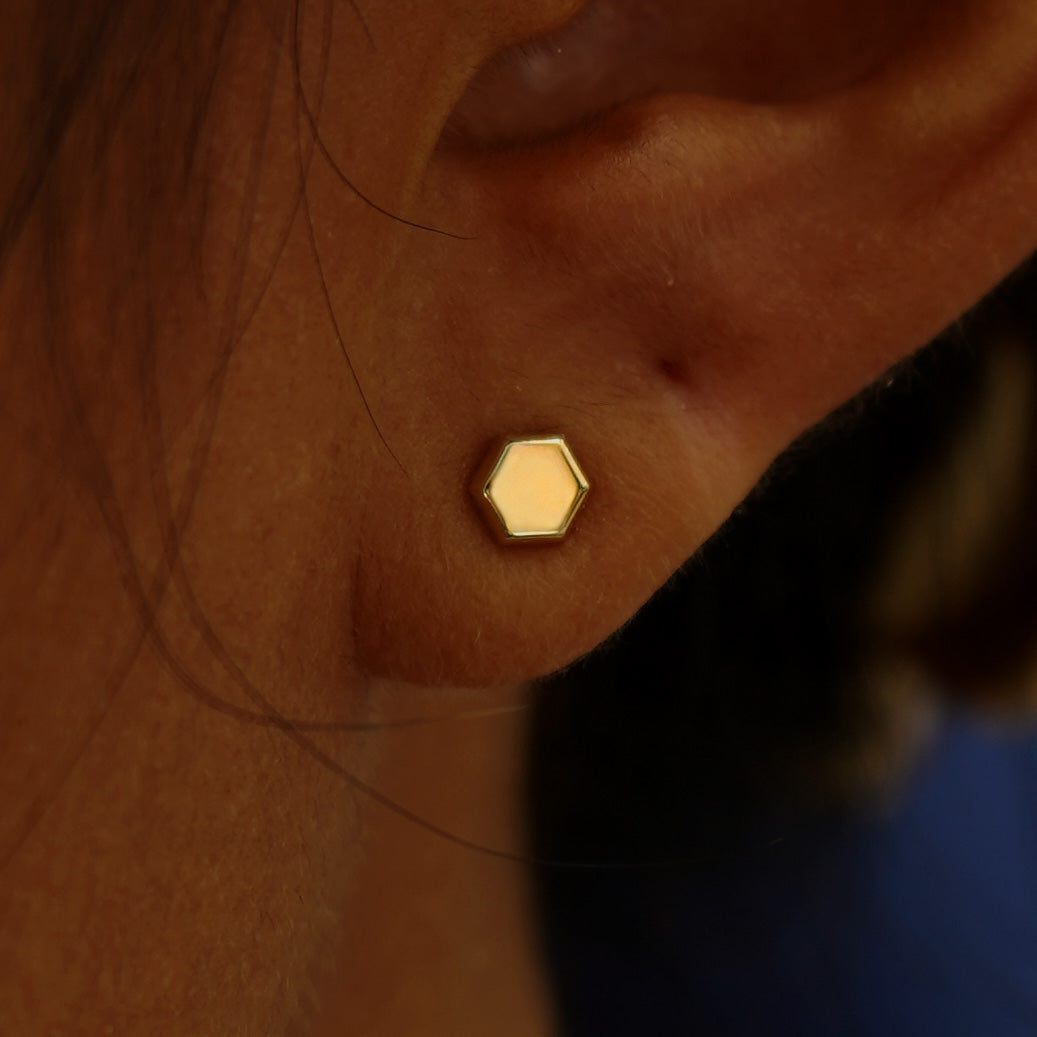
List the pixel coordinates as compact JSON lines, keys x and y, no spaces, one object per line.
{"x":686,"y":283}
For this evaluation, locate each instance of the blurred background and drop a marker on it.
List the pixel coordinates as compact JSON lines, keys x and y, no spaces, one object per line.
{"x":798,"y":793}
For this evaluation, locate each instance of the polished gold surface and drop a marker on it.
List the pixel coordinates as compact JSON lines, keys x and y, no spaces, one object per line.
{"x":530,"y":489}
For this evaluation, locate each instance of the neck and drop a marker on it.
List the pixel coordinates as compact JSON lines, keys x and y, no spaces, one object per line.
{"x":438,"y":933}
{"x":168,"y":838}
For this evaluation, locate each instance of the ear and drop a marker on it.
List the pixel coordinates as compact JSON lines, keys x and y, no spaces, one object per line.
{"x":681,"y":285}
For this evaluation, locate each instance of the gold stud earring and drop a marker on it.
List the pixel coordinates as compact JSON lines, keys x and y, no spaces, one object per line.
{"x":530,"y":489}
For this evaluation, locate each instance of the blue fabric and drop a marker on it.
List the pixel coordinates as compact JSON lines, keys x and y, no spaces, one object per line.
{"x":921,"y":919}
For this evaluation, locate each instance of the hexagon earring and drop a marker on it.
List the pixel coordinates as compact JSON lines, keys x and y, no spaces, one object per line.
{"x":530,"y":489}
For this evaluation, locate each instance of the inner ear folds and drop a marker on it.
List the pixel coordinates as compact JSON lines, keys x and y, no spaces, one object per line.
{"x":614,"y":51}
{"x":780,"y":256}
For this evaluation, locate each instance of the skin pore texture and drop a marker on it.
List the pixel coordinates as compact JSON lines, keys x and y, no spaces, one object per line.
{"x":242,"y":404}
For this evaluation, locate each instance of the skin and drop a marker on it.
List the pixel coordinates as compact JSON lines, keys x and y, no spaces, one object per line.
{"x":214,"y":525}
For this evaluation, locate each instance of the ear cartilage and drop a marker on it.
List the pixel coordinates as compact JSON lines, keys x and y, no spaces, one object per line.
{"x":530,"y":488}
